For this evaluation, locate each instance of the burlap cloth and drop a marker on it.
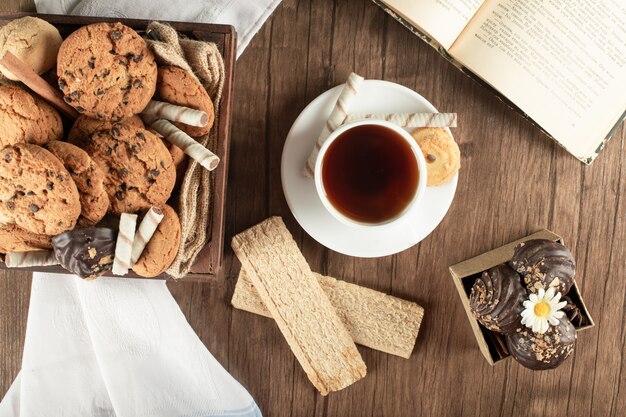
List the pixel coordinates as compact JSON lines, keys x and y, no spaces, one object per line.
{"x":195,"y":204}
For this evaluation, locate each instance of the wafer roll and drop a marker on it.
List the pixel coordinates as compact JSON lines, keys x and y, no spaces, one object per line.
{"x":373,"y":319}
{"x":410,"y":119}
{"x":189,"y":145}
{"x":336,"y":119}
{"x":124,"y":244}
{"x":30,"y":259}
{"x":299,"y":306}
{"x":168,"y":111}
{"x":146,"y":229}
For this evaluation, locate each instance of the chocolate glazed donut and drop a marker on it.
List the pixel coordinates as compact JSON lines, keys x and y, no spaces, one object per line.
{"x":543,"y":264}
{"x":87,"y":252}
{"x":496,"y":299}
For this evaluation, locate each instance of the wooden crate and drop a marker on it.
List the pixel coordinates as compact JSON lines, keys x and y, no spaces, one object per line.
{"x":209,"y":262}
{"x":492,"y":344}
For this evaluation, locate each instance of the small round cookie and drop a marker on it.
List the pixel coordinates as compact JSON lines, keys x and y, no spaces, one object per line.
{"x":106,"y":71}
{"x":442,"y":154}
{"x":177,"y":86}
{"x":89,"y":180}
{"x":15,"y":239}
{"x":33,"y":41}
{"x":162,"y":248}
{"x":25,"y":118}
{"x":36,"y":191}
{"x":138,"y":168}
{"x":85,"y":126}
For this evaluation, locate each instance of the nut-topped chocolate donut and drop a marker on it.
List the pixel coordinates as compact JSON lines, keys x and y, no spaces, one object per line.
{"x":87,"y":252}
{"x":539,"y":351}
{"x":543,"y":264}
{"x":496,"y":299}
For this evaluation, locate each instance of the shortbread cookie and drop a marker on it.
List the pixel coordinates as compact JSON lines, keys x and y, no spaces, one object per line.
{"x":373,"y":319}
{"x":36,"y":191}
{"x":162,"y":248}
{"x":33,"y":41}
{"x":177,"y":86}
{"x":89,"y":180}
{"x":85,"y":126}
{"x":442,"y":154}
{"x":106,"y":71}
{"x":15,"y":239}
{"x":138,"y":168}
{"x":304,"y":315}
{"x":25,"y":118}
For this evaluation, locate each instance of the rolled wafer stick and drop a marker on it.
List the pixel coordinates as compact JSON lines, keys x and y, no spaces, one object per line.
{"x":40,"y":86}
{"x":124,"y":244}
{"x":146,"y":229}
{"x":28,"y":259}
{"x":189,"y":145}
{"x":410,"y":119}
{"x":336,"y":119}
{"x":174,"y":113}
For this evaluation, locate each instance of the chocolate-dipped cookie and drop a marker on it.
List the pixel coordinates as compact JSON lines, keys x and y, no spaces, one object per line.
{"x":496,"y":299}
{"x":540,"y":351}
{"x":87,"y":252}
{"x":543,"y":264}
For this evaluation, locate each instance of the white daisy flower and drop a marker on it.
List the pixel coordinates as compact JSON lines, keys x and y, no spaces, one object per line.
{"x":542,"y":310}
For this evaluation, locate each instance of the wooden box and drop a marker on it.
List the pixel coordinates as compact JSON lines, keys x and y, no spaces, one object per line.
{"x":492,"y":344}
{"x":209,"y":262}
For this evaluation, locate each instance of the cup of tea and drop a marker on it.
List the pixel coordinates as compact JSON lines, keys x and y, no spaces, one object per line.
{"x":370,"y":173}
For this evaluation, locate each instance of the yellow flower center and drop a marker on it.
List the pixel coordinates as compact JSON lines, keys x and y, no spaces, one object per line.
{"x":542,"y":309}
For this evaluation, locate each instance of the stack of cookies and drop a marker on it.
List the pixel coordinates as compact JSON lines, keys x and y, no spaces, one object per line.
{"x":72,"y":189}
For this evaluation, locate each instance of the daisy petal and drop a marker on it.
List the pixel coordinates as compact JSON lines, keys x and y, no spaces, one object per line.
{"x":526,"y":313}
{"x":544,"y":326}
{"x":533,"y":298}
{"x":550,"y":293}
{"x":553,"y":320}
{"x":561,"y":305}
{"x":528,"y":304}
{"x":541,"y":294}
{"x":537,"y":326}
{"x":558,"y":314}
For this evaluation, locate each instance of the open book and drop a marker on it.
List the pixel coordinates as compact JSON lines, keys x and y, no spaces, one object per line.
{"x":561,"y":62}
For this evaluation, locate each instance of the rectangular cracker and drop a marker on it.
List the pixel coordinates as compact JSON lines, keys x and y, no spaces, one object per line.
{"x":299,"y":306}
{"x":373,"y":319}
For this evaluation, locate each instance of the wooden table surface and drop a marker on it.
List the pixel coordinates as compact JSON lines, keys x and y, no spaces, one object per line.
{"x":513,"y":181}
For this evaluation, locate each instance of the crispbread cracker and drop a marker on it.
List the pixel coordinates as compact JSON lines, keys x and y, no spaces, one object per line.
{"x":372,"y":318}
{"x":299,"y":306}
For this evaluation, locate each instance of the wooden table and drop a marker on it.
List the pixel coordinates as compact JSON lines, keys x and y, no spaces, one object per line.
{"x":513,"y":181}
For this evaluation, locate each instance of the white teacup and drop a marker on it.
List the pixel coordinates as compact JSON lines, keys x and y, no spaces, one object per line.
{"x":419,"y":160}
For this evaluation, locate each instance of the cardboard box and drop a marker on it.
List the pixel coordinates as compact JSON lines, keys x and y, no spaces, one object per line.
{"x":492,"y":344}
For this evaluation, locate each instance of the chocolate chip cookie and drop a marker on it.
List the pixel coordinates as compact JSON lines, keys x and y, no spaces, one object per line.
{"x":25,"y":118}
{"x":89,"y":180}
{"x":106,"y":71}
{"x":85,"y":126}
{"x":162,"y":248}
{"x":138,"y":168}
{"x":177,"y":86}
{"x":15,"y":239}
{"x":37,"y":193}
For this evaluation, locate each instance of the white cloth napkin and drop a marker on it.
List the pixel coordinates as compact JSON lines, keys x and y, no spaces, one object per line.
{"x":247,"y":16}
{"x":116,"y":347}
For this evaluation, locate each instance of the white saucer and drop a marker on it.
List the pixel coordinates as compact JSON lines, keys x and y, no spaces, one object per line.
{"x":374,"y":97}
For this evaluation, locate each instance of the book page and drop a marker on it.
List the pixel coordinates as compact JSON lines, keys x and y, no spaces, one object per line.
{"x":443,"y":20}
{"x":563,"y":62}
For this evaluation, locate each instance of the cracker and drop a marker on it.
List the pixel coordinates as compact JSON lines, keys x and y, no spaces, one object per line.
{"x":373,"y":319}
{"x":302,"y":311}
